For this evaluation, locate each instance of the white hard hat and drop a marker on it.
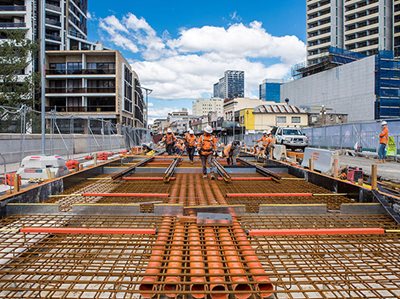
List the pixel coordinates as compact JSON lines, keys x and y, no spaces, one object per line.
{"x":169,"y":130}
{"x":265,"y":132}
{"x":208,"y":129}
{"x":191,"y":132}
{"x":383,"y":123}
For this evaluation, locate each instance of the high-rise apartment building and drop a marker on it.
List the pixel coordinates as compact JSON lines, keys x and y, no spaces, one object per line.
{"x":230,"y":86}
{"x":396,"y":25}
{"x":362,"y":26}
{"x":93,"y":84}
{"x":324,"y":27}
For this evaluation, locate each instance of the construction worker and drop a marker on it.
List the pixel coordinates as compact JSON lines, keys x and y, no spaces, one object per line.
{"x":180,"y":147}
{"x":206,"y":147}
{"x":169,"y":140}
{"x":383,"y":141}
{"x":266,"y":141}
{"x":231,"y":152}
{"x":191,"y":142}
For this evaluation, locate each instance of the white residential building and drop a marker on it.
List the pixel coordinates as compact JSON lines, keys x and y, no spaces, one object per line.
{"x":202,"y":107}
{"x":363,"y":26}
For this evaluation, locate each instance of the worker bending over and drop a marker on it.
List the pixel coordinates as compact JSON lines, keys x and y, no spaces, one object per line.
{"x":169,"y":140}
{"x":191,"y":142}
{"x":180,"y":147}
{"x":383,"y":141}
{"x":207,"y":146}
{"x":231,"y":152}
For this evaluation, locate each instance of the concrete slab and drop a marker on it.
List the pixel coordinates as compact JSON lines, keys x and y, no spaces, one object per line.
{"x":389,"y":171}
{"x":293,"y":209}
{"x":106,"y":209}
{"x":31,"y":208}
{"x":362,"y":208}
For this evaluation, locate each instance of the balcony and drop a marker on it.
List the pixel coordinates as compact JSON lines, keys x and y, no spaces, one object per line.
{"x":109,"y":108}
{"x":12,"y":25}
{"x":53,"y":37}
{"x":81,"y":72}
{"x":53,"y":22}
{"x":81,"y":90}
{"x":12,"y":8}
{"x":53,"y":7}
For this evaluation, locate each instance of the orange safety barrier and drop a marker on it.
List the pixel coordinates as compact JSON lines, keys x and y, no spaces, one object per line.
{"x":269,"y":195}
{"x":72,"y":164}
{"x":158,"y":195}
{"x":88,"y":231}
{"x":133,"y":178}
{"x":249,"y":179}
{"x":317,"y":232}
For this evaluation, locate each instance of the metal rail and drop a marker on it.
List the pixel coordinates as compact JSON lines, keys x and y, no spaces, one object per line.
{"x":131,"y":168}
{"x":171,"y":170}
{"x":221,"y":171}
{"x":261,"y":170}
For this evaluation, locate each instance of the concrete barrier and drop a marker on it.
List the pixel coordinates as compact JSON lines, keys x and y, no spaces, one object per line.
{"x":322,"y":159}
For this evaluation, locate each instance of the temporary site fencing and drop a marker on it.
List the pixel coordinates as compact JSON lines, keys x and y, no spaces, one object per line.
{"x":66,"y":135}
{"x":343,"y":136}
{"x":346,"y":136}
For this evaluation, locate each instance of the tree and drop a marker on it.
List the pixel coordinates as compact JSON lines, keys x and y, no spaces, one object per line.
{"x":16,"y":54}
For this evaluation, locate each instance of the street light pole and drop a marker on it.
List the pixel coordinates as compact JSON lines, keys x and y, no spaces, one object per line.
{"x":42,"y":63}
{"x":148,"y":91}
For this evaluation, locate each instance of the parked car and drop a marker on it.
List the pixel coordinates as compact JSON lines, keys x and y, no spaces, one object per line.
{"x":292,"y":138}
{"x":35,"y":167}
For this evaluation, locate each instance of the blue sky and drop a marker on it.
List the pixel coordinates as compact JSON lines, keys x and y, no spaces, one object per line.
{"x":193,"y":42}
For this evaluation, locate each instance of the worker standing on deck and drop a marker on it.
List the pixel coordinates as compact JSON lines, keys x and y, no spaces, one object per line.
{"x":206,"y":146}
{"x":231,"y":152}
{"x":383,"y":141}
{"x":169,"y":140}
{"x":266,"y":141}
{"x":191,"y":142}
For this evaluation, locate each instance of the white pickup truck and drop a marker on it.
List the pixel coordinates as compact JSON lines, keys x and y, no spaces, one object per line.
{"x":292,"y":138}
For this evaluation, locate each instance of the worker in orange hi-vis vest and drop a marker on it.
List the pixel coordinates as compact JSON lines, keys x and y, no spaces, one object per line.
{"x":267,"y":141}
{"x":169,"y":140}
{"x":383,"y":141}
{"x":207,"y":146}
{"x":191,"y":142}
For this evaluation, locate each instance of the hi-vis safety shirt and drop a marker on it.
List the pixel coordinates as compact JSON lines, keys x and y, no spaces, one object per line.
{"x":207,"y":144}
{"x":266,"y":141}
{"x":191,"y":140}
{"x":170,"y":138}
{"x":384,"y":136}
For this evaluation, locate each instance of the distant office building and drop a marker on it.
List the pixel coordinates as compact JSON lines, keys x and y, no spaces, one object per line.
{"x":361,"y":26}
{"x":270,"y":90}
{"x":236,"y":104}
{"x":363,"y":87}
{"x":230,"y":86}
{"x":93,"y":84}
{"x":202,"y":107}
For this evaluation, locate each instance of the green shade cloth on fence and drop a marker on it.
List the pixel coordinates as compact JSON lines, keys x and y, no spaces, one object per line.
{"x":391,"y":148}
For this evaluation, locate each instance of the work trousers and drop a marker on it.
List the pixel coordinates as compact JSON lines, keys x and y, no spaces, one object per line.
{"x":231,"y":160}
{"x":170,"y":148}
{"x":190,"y":150}
{"x":204,"y":160}
{"x":382,"y":151}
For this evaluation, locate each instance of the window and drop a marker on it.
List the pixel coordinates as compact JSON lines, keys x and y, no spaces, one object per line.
{"x":296,"y":119}
{"x":281,"y":119}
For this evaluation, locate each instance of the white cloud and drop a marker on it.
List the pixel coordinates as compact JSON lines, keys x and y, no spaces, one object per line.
{"x":187,"y":66}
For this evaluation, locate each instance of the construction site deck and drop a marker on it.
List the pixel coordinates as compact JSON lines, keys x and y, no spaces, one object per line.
{"x":153,"y":227}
